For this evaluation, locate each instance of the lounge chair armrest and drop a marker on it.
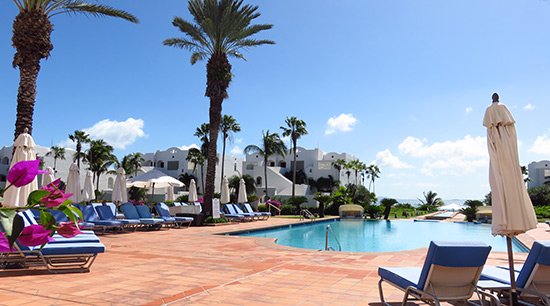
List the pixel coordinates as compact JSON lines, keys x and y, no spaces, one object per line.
{"x":484,"y":294}
{"x":538,"y":294}
{"x":420,"y":294}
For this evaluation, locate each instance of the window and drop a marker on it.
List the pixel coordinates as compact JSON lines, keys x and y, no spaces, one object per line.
{"x":324,"y":166}
{"x":149,"y":163}
{"x":160,"y":164}
{"x":173,"y":165}
{"x":250,"y":167}
{"x":110,"y":183}
{"x":282,"y":164}
{"x":259,"y":181}
{"x":546,"y":173}
{"x":271,"y":163}
{"x":5,"y":160}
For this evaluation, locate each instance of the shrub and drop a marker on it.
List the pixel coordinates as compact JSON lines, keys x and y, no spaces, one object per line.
{"x":216,"y":220}
{"x":183,"y":198}
{"x":297,"y":201}
{"x":288,"y":210}
{"x":262,"y":208}
{"x":540,"y":196}
{"x":542,"y":211}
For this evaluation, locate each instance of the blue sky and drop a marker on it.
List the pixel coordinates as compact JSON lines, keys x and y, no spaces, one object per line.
{"x":402,"y":83}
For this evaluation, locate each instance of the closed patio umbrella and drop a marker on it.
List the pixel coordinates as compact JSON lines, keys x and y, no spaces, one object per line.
{"x":73,"y":184}
{"x":224,"y":197}
{"x":242,"y":198}
{"x":193,"y":195}
{"x":170,"y":193}
{"x":88,"y":188}
{"x":48,"y":177}
{"x":120,"y":193}
{"x":24,"y":150}
{"x":513,"y":211}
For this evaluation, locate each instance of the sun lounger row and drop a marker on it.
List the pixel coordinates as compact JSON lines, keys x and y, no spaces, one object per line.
{"x":75,"y":254}
{"x":236,"y":213}
{"x":455,"y":271}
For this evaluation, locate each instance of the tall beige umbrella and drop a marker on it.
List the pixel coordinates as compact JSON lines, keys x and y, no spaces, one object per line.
{"x":513,"y":211}
{"x":224,"y":197}
{"x":170,"y":193}
{"x":24,"y":150}
{"x":242,"y":198}
{"x":193,"y":195}
{"x":48,"y":177}
{"x":120,"y":193}
{"x":88,"y":193}
{"x":73,"y":184}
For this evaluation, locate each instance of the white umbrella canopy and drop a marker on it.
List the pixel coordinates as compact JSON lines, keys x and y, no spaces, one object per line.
{"x":193,"y":195}
{"x":156,"y":177}
{"x":513,"y":211}
{"x":451,"y":207}
{"x":224,"y":197}
{"x":120,"y":194}
{"x":24,"y":150}
{"x":73,"y":184}
{"x":48,"y":177}
{"x":170,"y":194}
{"x":242,"y":198}
{"x":88,"y":188}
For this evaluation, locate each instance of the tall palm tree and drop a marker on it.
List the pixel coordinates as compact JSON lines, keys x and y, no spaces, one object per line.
{"x":31,"y":38}
{"x":373,"y":173}
{"x":79,"y":137}
{"x":228,"y":126}
{"x":271,"y":144}
{"x":57,"y":153}
{"x":221,"y":28}
{"x":357,"y":166}
{"x":339,"y":164}
{"x":131,"y":163}
{"x":431,"y":200}
{"x":197,"y":157}
{"x":295,"y":128}
{"x":100,"y":157}
{"x":202,"y":132}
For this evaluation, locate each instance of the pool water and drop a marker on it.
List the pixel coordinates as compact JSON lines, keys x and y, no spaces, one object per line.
{"x":381,"y":235}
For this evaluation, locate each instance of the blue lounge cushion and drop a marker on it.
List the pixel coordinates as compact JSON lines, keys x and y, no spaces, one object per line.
{"x":130,"y":211}
{"x":72,"y":248}
{"x":539,"y":254}
{"x":402,"y":277}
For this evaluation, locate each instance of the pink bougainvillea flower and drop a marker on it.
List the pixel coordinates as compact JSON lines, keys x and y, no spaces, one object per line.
{"x":201,"y":200}
{"x":34,"y":235}
{"x":4,"y":244}
{"x":68,"y":229}
{"x":23,"y":172}
{"x":55,"y":198}
{"x":53,"y":186}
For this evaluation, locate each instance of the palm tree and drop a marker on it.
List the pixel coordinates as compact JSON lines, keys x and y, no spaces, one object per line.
{"x":31,"y":38}
{"x":271,"y":144}
{"x":131,"y":163}
{"x":357,"y":166}
{"x":221,"y":28}
{"x":202,"y":132}
{"x":339,"y":164}
{"x":79,"y":137}
{"x":100,"y":157}
{"x":197,"y":157}
{"x":373,"y":173}
{"x":295,"y":128}
{"x":228,"y":126}
{"x":57,"y":152}
{"x":431,"y":201}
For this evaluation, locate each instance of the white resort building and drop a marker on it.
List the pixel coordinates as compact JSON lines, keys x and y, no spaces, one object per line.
{"x":539,"y":173}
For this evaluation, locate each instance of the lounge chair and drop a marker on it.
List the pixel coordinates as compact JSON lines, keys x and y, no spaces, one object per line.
{"x":450,"y":273}
{"x":131,"y":212}
{"x":263,"y":215}
{"x":164,"y":213}
{"x":532,"y":281}
{"x":91,"y":217}
{"x":75,"y":254}
{"x":86,"y":235}
{"x":236,"y":210}
{"x":105,"y":213}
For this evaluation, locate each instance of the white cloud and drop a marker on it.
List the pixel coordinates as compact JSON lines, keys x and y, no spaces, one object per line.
{"x":541,"y":145}
{"x":185,"y":148}
{"x":386,"y":158}
{"x":239,"y":141}
{"x":236,"y":150}
{"x":529,"y":107}
{"x":119,"y":134}
{"x":469,"y":109}
{"x":457,"y":157}
{"x":342,"y":123}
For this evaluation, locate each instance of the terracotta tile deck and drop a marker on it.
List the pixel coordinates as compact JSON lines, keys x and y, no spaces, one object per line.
{"x":194,"y":267}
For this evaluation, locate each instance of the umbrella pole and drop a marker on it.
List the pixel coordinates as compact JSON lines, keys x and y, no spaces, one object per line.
{"x":513,"y":293}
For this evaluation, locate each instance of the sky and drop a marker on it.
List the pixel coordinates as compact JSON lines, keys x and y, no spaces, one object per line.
{"x":403,"y":83}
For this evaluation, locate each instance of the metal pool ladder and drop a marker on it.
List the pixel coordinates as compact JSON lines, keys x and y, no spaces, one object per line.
{"x":327,"y":247}
{"x":306,"y":214}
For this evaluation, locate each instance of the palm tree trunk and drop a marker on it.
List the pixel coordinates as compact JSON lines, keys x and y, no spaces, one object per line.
{"x":294,"y":169}
{"x":31,"y":39}
{"x":54,"y":164}
{"x":223,"y":160}
{"x":218,"y":76}
{"x":97,"y":183}
{"x":202,"y":179}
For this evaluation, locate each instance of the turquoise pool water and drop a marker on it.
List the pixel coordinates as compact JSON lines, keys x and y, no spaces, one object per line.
{"x":382,"y":236}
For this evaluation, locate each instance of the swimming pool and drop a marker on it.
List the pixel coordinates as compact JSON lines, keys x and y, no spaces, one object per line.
{"x":381,"y":235}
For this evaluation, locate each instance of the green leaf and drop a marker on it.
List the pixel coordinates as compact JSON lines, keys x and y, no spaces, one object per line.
{"x":6,"y":218}
{"x":36,"y":196}
{"x":72,"y":216}
{"x":76,"y":211}
{"x":17,"y":227}
{"x":47,"y":219}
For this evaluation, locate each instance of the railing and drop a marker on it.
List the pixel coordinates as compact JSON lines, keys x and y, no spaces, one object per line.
{"x":306,"y":214}
{"x":269,"y":205}
{"x":327,"y":247}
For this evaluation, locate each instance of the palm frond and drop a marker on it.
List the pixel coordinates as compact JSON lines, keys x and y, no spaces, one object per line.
{"x":95,"y":10}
